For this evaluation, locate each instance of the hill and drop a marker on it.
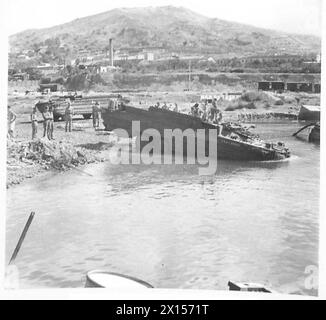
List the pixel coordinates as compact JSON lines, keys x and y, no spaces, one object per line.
{"x":174,"y":28}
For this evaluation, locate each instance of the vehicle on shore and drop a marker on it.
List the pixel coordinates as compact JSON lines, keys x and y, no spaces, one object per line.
{"x":83,"y":105}
{"x":234,"y":141}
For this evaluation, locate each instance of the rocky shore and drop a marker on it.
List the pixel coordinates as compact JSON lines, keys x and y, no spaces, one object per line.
{"x":28,"y":158}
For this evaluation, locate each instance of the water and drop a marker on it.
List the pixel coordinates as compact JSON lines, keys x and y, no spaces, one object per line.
{"x":171,"y":227}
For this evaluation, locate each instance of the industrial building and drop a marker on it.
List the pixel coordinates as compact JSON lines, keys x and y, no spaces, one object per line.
{"x":289,"y":86}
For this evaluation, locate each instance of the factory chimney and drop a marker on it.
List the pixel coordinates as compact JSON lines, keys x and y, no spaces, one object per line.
{"x":111,"y":52}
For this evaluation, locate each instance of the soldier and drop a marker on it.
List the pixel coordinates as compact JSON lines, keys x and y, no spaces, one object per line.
{"x":46,"y":119}
{"x":96,"y":115}
{"x":194,"y":110}
{"x":50,"y":123}
{"x":11,"y":117}
{"x":203,"y":111}
{"x":218,"y":116}
{"x":34,"y":123}
{"x":164,"y":106}
{"x":68,"y":116}
{"x":211,"y":112}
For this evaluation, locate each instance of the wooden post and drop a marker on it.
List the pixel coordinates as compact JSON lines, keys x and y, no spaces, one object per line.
{"x":22,"y":237}
{"x":189,"y":80}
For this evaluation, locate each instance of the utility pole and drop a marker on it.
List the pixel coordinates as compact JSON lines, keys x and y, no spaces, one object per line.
{"x":189,"y":78}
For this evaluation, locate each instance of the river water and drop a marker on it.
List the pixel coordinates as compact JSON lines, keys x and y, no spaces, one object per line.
{"x":169,"y":226}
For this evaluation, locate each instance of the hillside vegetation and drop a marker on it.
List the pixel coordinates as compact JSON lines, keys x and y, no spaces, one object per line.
{"x":173,"y":28}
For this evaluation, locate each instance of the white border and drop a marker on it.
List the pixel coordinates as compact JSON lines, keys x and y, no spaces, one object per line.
{"x":322,"y":224}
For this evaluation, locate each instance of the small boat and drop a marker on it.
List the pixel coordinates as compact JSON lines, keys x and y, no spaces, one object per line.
{"x":314,"y":132}
{"x":111,"y":280}
{"x":314,"y":135}
{"x":234,"y":141}
{"x":248,"y":286}
{"x":309,"y":113}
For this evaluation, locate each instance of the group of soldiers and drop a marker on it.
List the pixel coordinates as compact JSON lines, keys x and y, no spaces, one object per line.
{"x":48,"y":120}
{"x":164,"y":106}
{"x":207,"y":112}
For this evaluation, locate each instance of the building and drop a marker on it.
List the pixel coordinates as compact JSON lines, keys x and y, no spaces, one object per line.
{"x":47,"y":69}
{"x":271,"y":58}
{"x":289,"y":86}
{"x":139,"y":53}
{"x":51,"y":87}
{"x":22,"y":76}
{"x":105,"y":69}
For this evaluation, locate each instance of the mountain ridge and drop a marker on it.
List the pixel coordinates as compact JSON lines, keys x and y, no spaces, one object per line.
{"x":174,"y":28}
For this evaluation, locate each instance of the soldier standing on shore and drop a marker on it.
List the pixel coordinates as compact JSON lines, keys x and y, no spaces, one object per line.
{"x":69,"y":112}
{"x":46,"y":119}
{"x":34,"y":123}
{"x":11,"y":123}
{"x":51,"y":123}
{"x":96,"y":115}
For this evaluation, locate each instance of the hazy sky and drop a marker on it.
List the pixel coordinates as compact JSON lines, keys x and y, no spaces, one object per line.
{"x":298,"y":16}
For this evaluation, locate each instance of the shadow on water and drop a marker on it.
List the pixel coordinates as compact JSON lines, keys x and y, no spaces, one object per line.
{"x":130,"y":176}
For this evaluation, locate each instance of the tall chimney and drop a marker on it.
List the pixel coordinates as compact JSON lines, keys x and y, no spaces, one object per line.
{"x":111,"y":52}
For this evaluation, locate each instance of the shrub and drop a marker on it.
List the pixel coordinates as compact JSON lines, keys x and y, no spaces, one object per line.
{"x":279,"y":103}
{"x":240,"y":106}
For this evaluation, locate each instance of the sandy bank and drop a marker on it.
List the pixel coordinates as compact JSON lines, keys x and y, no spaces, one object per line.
{"x":28,"y":158}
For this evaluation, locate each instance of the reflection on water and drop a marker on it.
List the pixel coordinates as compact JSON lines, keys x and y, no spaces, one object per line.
{"x":171,"y":227}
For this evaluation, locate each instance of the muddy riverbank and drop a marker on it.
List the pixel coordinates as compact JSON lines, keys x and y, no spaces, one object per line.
{"x":27,"y":158}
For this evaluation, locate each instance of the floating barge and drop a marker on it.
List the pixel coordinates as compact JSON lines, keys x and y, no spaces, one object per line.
{"x":309,"y":113}
{"x":234,"y":142}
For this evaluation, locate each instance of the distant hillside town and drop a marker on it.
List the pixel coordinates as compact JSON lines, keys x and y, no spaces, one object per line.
{"x":91,"y":50}
{"x":51,"y":61}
